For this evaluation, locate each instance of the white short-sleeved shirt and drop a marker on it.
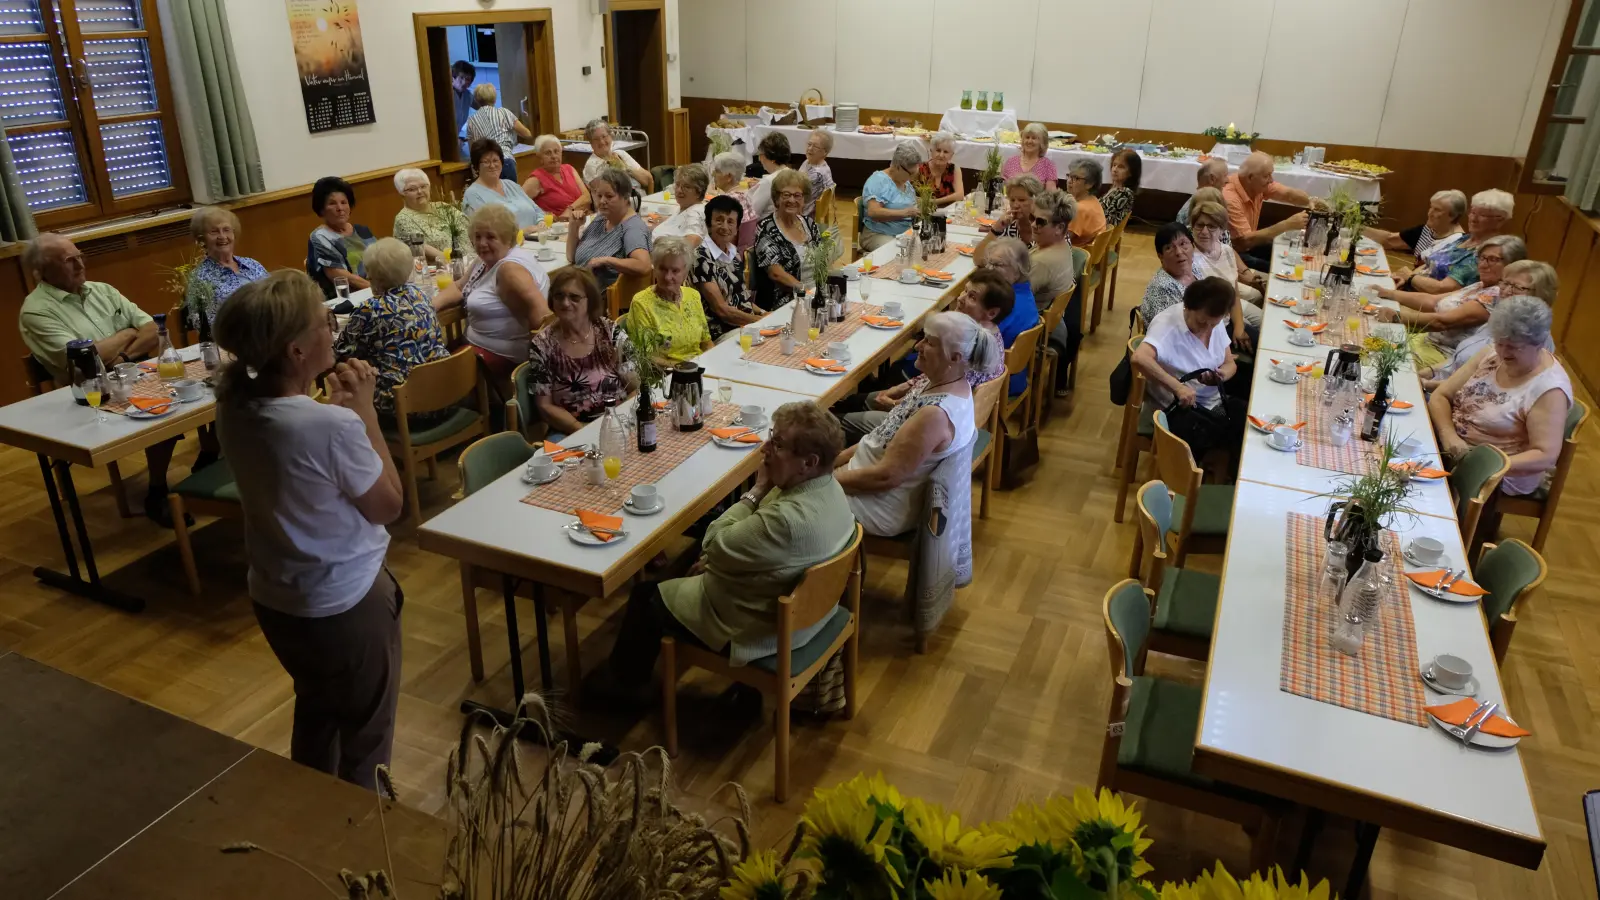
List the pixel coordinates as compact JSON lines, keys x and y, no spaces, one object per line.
{"x":1180,"y":352}
{"x":761,"y":196}
{"x":300,"y":465}
{"x":683,"y":223}
{"x":595,"y":165}
{"x":490,"y":324}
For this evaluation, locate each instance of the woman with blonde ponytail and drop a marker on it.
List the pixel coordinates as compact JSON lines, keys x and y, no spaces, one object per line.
{"x":317,"y":486}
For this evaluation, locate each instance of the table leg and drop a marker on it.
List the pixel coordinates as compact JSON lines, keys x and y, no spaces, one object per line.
{"x":1366,"y":840}
{"x":61,"y":472}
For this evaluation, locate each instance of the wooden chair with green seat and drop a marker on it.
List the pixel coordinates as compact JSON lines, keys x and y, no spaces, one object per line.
{"x":41,"y":381}
{"x":1049,"y":357}
{"x":663,"y":176}
{"x":1510,"y":571}
{"x":1185,"y":599}
{"x":453,"y":322}
{"x":1202,"y":511}
{"x":522,"y":416}
{"x":208,"y":492}
{"x":1473,"y":481}
{"x":438,"y":385}
{"x":480,"y":464}
{"x":986,"y":410}
{"x":829,"y":594}
{"x":1095,"y":273}
{"x":1149,"y":744}
{"x":1017,"y":413}
{"x":1114,"y":261}
{"x":1137,"y":434}
{"x":1542,"y":503}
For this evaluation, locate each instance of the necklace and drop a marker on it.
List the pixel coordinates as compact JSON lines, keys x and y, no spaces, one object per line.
{"x":943,"y":383}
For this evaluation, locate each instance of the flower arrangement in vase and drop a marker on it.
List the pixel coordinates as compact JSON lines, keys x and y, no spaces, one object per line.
{"x":1231,"y":135}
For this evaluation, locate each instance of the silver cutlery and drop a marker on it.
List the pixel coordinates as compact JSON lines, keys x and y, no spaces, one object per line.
{"x":595,"y":529}
{"x":1459,"y":731}
{"x":1453,"y":579}
{"x":1473,"y":730}
{"x":1443,"y":576}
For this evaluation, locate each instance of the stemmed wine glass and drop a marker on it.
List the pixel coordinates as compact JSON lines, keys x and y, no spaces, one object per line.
{"x":94,"y":393}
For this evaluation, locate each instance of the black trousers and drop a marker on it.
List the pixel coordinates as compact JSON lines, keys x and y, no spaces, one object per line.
{"x":1258,"y":258}
{"x":644,"y":623}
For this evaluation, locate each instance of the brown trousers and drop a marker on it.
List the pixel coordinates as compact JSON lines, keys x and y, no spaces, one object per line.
{"x":346,"y":671}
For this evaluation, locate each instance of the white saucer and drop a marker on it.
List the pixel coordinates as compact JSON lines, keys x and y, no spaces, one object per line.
{"x":1436,"y":564}
{"x":1292,"y":379}
{"x":1272,"y":422}
{"x":627,"y":505}
{"x":581,"y":535}
{"x":1310,"y":341}
{"x":1401,"y":412}
{"x":1470,"y":690}
{"x":885,"y":327}
{"x":527,"y":479}
{"x":1445,"y":596}
{"x":134,"y":413}
{"x":824,"y":372}
{"x":1480,"y":740}
{"x":1295,"y":449}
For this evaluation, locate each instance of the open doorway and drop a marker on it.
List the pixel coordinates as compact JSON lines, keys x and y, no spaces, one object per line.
{"x":513,"y":51}
{"x":636,"y":69}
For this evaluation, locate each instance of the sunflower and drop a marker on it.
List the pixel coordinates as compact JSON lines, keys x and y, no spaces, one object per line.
{"x":757,"y":878}
{"x":946,"y":844}
{"x":1219,"y":885}
{"x":847,"y":831}
{"x":957,"y":885}
{"x":1107,"y":829}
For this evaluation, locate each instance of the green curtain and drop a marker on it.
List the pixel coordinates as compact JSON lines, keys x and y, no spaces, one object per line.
{"x":16,"y":220}
{"x":226,"y":139}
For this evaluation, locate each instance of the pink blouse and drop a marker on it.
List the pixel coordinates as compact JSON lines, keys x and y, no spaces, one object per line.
{"x":1043,"y":169}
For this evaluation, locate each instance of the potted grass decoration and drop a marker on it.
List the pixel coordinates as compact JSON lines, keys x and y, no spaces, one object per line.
{"x":991,"y":179}
{"x":720,"y":143}
{"x":819,"y":255}
{"x":1366,"y":504}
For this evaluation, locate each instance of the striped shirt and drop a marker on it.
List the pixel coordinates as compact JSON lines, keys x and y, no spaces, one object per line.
{"x":618,"y":242}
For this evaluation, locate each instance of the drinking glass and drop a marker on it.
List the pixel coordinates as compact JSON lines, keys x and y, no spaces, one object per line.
{"x":94,"y":391}
{"x":747,"y":339}
{"x":341,"y":287}
{"x":866,"y":287}
{"x":725,"y":391}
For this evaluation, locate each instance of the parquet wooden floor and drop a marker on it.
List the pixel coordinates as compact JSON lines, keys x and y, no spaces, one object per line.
{"x":1009,"y":703}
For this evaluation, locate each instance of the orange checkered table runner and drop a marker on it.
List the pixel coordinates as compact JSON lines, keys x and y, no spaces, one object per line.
{"x":573,"y":491}
{"x":1383,"y":679}
{"x":1354,"y":458}
{"x":1337,"y":333}
{"x":153,"y":387}
{"x":770,"y":351}
{"x":890,"y":271}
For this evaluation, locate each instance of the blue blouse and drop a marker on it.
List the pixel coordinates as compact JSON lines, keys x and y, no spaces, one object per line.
{"x":1024,"y":315}
{"x":881,"y":187}
{"x":220,"y":281}
{"x":527,"y":212}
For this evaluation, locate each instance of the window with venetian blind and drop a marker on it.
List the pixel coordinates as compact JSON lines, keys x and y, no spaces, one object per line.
{"x":86,"y":109}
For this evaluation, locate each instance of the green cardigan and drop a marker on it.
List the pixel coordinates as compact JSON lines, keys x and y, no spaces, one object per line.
{"x":755,"y":556}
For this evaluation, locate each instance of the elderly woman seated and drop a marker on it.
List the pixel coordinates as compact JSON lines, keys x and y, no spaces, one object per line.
{"x":816,"y":168}
{"x":886,"y":474}
{"x":941,"y":170}
{"x":439,"y":227}
{"x":504,"y":295}
{"x":1513,"y":395}
{"x":1083,"y":179}
{"x":1456,"y":265}
{"x":606,"y":156}
{"x":1034,"y":157}
{"x":782,"y":266}
{"x":219,"y":273}
{"x":580,"y":362}
{"x":795,"y":517}
{"x":617,"y":240}
{"x":890,"y":198}
{"x":1175,"y":249}
{"x":492,"y":122}
{"x":772,"y":154}
{"x":553,"y":184}
{"x":1008,"y":258}
{"x":689,"y":222}
{"x":1126,"y":168}
{"x":1052,"y":273}
{"x":1186,"y":338}
{"x":334,"y":252}
{"x":1017,"y":220}
{"x":727,"y":179}
{"x":669,"y":309}
{"x":394,"y":331}
{"x":1445,"y":320}
{"x":489,"y":188}
{"x":718,"y":272}
{"x":1208,"y":220}
{"x":1441,"y":228}
{"x":1524,"y":278}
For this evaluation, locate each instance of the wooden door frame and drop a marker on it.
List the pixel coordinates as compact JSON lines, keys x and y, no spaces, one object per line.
{"x":616,"y":6}
{"x":540,"y":28}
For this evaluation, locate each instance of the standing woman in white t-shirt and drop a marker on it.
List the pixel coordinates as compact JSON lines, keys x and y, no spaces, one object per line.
{"x":317,"y":486}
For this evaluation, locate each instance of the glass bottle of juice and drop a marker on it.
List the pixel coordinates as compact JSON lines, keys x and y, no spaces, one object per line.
{"x":169,"y":365}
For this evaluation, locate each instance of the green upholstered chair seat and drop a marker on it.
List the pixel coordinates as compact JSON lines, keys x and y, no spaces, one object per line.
{"x":214,"y":482}
{"x":1146,"y":426}
{"x":1187,"y":602}
{"x":1211,"y":513}
{"x":804,"y":657}
{"x":1111,"y":257}
{"x":460,"y":420}
{"x":1505,"y":572}
{"x":980,"y":442}
{"x":493,"y":456}
{"x":1163,"y":717}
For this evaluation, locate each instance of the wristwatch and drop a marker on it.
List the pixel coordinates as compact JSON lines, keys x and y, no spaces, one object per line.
{"x":752,"y":498}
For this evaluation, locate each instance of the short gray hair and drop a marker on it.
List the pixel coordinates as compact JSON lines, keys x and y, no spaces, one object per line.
{"x":941,"y":138}
{"x":826,"y":137}
{"x":666,"y":247}
{"x":388,"y":265}
{"x":406,"y":176}
{"x":1457,"y":201}
{"x":1497,"y":200}
{"x":1088,"y":169}
{"x":1541,"y":277}
{"x":1215,"y":167}
{"x":1014,"y":252}
{"x":1520,"y":320}
{"x":483,"y":95}
{"x":728,"y":163}
{"x":206,"y":216}
{"x":1027,"y":182}
{"x":594,"y":126}
{"x":693,"y":178}
{"x":619,"y":180}
{"x":961,"y":333}
{"x":542,"y":140}
{"x":1056,"y":206}
{"x":33,"y":253}
{"x":1038,"y":130}
{"x":1511,"y":247}
{"x":907,"y":155}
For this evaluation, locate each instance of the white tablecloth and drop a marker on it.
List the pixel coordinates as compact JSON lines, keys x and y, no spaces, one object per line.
{"x":1160,"y":173}
{"x":978,"y":122}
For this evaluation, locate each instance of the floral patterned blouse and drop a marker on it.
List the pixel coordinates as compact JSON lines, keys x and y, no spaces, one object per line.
{"x":393,"y":332}
{"x":580,"y":386}
{"x":945,"y":186}
{"x":442,"y":227}
{"x":219,"y":281}
{"x":773,"y":248}
{"x":1117,"y":203}
{"x":726,"y":270}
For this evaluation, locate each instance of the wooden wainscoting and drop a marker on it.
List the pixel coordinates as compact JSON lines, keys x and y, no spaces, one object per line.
{"x":1569,"y":239}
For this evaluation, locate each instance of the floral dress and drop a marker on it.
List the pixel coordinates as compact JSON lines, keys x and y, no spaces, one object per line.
{"x":394,"y":332}
{"x":773,"y":248}
{"x":727,"y":272}
{"x":946,"y":183}
{"x":1117,"y":203}
{"x":580,"y":386}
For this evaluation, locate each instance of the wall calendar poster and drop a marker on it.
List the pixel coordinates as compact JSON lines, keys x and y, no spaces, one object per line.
{"x":331,"y":62}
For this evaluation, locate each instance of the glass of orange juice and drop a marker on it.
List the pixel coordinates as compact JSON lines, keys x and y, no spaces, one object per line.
{"x":442,"y":279}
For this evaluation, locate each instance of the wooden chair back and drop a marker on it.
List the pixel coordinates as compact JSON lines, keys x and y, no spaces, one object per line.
{"x":1100,"y":247}
{"x":438,"y":384}
{"x":985,"y":399}
{"x":1473,"y":481}
{"x":1136,"y":384}
{"x":1136,"y":323}
{"x":453,"y":322}
{"x":827,"y":214}
{"x":620,"y":295}
{"x":1176,"y":467}
{"x":38,"y":377}
{"x":1510,"y":571}
{"x":1154,"y":503}
{"x":488,"y":458}
{"x":1020,"y":355}
{"x":821,"y":587}
{"x":1055,"y":311}
{"x":1127,"y":611}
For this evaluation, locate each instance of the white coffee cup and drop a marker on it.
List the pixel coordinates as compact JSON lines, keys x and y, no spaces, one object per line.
{"x":1409,"y":446}
{"x":909,"y":276}
{"x":188,"y":389}
{"x":852,"y":273}
{"x":541,"y":466}
{"x":891,"y":308}
{"x":1425,"y":550}
{"x":838,"y":350}
{"x":1305,"y":307}
{"x":644,"y":497}
{"x":545,"y":254}
{"x":1302,"y":338}
{"x":1451,"y":671}
{"x":1284,"y":438}
{"x":752,"y":416}
{"x":1283,"y":370}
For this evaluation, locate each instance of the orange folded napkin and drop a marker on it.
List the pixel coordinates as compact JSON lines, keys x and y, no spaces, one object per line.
{"x":592,"y":520}
{"x":1313,"y":327}
{"x":1368,"y":270}
{"x":963,"y":249}
{"x":1371,"y":309}
{"x":557,"y":452}
{"x":1301,"y":369}
{"x":660,"y":404}
{"x":1462,"y":586}
{"x":1395,"y":404}
{"x":832,"y":365}
{"x":1286,"y":276}
{"x":742,"y":435}
{"x":937,"y":274}
{"x":985,"y":222}
{"x":1366,"y":251}
{"x":1261,"y":423}
{"x":150,"y":404}
{"x":881,"y":320}
{"x":771,"y":332}
{"x":1457,"y":713}
{"x":1280,"y":301}
{"x":1417,"y":470}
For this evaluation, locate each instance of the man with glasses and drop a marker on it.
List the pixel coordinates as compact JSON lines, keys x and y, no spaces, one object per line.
{"x":1245,"y":193}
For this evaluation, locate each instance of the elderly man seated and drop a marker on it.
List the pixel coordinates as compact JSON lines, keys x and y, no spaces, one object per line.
{"x":794,"y":517}
{"x":1213,"y":173}
{"x":1245,"y":193}
{"x":67,"y":306}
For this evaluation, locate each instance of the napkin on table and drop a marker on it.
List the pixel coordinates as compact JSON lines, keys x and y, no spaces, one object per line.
{"x":1462,"y":587}
{"x":1261,"y":424}
{"x":1457,"y":713}
{"x":1301,"y":369}
{"x":742,"y":435}
{"x":881,"y":320}
{"x":557,"y":453}
{"x":150,"y":404}
{"x":1314,"y":327}
{"x":592,"y":520}
{"x":832,"y":365}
